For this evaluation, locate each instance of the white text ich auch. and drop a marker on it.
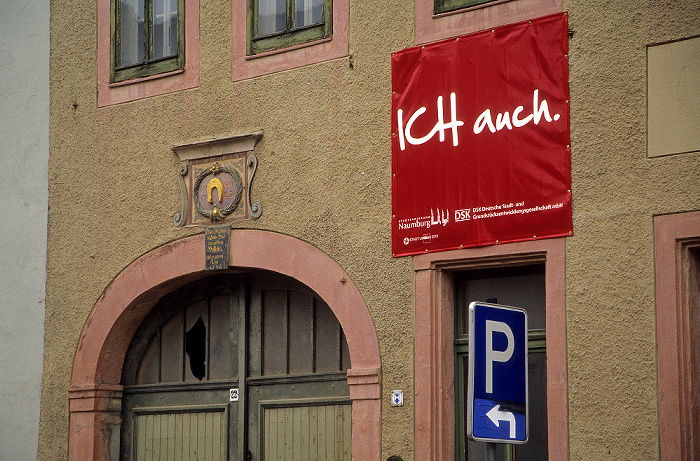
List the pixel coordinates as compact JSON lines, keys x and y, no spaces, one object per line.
{"x":503,"y":120}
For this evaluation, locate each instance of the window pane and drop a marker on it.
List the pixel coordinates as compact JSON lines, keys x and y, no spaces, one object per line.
{"x":477,"y":451}
{"x":164,"y":28}
{"x":132,"y":33}
{"x":308,"y":12}
{"x":272,"y":16}
{"x":517,"y":286}
{"x":536,"y":446}
{"x":442,"y":6}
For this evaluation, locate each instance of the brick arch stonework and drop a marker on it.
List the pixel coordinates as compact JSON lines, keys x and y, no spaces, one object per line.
{"x":95,"y":392}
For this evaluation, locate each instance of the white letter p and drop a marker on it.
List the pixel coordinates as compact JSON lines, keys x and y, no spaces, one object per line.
{"x":496,"y":356}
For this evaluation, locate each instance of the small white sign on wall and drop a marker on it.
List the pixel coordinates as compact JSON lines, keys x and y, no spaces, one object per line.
{"x":397,"y":398}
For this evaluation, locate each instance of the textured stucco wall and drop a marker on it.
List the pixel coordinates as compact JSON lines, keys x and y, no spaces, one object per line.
{"x":24,"y":154}
{"x":616,"y":191}
{"x":324,"y":177}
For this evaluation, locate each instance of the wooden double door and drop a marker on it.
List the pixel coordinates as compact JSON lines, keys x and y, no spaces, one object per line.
{"x":237,"y":367}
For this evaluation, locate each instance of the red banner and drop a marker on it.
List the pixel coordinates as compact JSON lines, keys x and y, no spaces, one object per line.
{"x":480,"y":139}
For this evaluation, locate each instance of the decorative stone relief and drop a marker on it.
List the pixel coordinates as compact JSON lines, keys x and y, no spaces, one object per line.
{"x":216,"y":178}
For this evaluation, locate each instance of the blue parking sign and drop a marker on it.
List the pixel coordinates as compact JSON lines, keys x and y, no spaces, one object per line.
{"x":497,"y":383}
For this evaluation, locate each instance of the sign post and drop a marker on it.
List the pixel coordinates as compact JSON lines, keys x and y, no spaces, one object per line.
{"x":497,"y":410}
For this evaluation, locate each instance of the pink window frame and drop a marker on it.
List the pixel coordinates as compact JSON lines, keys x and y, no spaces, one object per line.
{"x":678,"y":431}
{"x":244,"y":66}
{"x":434,"y":339}
{"x":114,"y":93}
{"x":95,"y":392}
{"x":431,"y":27}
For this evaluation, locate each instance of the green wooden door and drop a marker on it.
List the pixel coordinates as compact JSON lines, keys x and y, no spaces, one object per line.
{"x":298,"y":398}
{"x":237,"y":368}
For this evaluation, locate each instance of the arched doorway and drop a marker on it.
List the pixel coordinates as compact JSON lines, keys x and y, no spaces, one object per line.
{"x":246,"y":366}
{"x":96,"y":391}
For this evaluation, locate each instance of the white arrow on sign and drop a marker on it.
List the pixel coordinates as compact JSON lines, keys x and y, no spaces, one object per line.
{"x":495,"y":415}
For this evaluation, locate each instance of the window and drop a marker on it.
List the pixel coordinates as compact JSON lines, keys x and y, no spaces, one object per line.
{"x":677,"y":261}
{"x":538,"y":266}
{"x":465,"y":16}
{"x":519,"y":286}
{"x":255,"y":54}
{"x":130,"y":85}
{"x":277,"y":24}
{"x":443,"y":6}
{"x":673,"y":73}
{"x":147,"y":38}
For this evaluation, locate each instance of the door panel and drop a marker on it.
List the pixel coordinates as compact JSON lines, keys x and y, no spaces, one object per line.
{"x":306,"y":432}
{"x":186,"y":433}
{"x":171,"y":335}
{"x":274,"y":332}
{"x":267,"y":396}
{"x":301,"y":322}
{"x":328,"y":341}
{"x":223,"y":342}
{"x":269,"y":337}
{"x":165,"y":423}
{"x":299,"y":358}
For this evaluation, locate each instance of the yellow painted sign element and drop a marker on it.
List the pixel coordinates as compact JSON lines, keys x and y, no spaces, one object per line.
{"x":215,"y":183}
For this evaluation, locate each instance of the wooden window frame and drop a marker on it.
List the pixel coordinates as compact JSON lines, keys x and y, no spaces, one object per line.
{"x":292,"y":35}
{"x":446,"y":6}
{"x":434,"y":340}
{"x":431,"y":26}
{"x":149,"y":66}
{"x":110,"y":93}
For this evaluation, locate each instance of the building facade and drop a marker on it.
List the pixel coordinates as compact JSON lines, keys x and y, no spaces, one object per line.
{"x":220,"y":237}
